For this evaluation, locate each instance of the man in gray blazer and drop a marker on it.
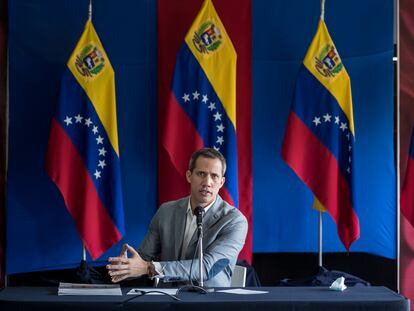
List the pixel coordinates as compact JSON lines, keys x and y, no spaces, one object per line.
{"x":170,"y":244}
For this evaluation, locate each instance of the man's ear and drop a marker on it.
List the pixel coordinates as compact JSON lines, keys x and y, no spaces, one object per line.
{"x":223,"y":180}
{"x":188,"y":175}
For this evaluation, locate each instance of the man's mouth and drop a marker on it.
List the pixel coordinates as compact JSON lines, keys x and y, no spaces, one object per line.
{"x":205,"y":192}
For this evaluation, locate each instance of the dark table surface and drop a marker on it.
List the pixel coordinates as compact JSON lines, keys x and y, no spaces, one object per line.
{"x":277,"y":298}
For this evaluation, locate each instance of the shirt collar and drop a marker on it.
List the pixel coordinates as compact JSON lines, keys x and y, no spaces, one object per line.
{"x":205,"y":208}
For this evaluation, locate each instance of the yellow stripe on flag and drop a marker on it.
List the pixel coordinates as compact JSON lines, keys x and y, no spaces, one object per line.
{"x":336,"y":79}
{"x":317,"y":205}
{"x":217,"y":59}
{"x":91,"y":67}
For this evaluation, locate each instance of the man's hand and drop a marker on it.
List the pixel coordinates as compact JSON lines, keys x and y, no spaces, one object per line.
{"x":123,"y":267}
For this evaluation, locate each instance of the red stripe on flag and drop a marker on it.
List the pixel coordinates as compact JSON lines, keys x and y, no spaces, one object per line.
{"x":181,"y":138}
{"x":407,"y":193}
{"x":179,"y":16}
{"x":407,"y":255}
{"x":406,"y":126}
{"x":239,"y":28}
{"x":179,"y":125}
{"x":67,"y":170}
{"x":319,"y":170}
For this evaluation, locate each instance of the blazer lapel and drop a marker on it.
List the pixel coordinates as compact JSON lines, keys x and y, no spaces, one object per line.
{"x":179,"y":223}
{"x":208,"y":220}
{"x":213,"y":214}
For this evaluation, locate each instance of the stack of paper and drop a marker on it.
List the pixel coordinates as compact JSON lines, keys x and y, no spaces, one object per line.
{"x":89,"y":289}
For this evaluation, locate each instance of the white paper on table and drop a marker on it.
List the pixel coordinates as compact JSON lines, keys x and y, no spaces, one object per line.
{"x":149,"y":291}
{"x":89,"y":289}
{"x":338,"y":284}
{"x":241,"y":291}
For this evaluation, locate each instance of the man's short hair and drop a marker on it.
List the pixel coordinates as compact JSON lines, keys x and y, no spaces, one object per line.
{"x":210,"y":153}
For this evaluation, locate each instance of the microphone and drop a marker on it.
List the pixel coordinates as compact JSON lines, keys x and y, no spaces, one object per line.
{"x":199,"y":212}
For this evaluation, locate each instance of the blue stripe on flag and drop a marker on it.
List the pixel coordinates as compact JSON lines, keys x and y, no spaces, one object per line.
{"x":75,"y":103}
{"x":324,"y":117}
{"x":195,"y":94}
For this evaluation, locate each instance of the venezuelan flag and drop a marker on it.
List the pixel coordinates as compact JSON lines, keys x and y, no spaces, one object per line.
{"x":83,"y":154}
{"x":201,"y":111}
{"x":319,"y":139}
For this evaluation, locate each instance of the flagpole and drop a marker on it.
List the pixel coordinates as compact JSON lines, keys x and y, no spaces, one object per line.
{"x":90,"y":10}
{"x":89,"y":18}
{"x":320,"y":262}
{"x":322,"y":9}
{"x":320,"y":240}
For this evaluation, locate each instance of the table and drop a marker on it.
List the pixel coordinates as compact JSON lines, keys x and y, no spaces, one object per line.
{"x":279,"y":298}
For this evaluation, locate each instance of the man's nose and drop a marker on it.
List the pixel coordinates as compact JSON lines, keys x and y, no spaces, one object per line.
{"x":208,"y":180}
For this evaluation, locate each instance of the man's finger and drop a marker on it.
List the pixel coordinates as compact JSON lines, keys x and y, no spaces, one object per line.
{"x":117,"y":279}
{"x":132,"y":250}
{"x":117,"y":267}
{"x":124,"y":250}
{"x":118,"y":272}
{"x":118,"y":260}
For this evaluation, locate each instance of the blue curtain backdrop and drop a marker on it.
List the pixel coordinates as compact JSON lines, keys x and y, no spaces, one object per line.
{"x":363,"y":34}
{"x":42,"y":34}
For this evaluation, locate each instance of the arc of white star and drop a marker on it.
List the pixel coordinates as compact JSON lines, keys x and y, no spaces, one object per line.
{"x":88,"y":122}
{"x":327,"y":117}
{"x":349,"y":147}
{"x":343,"y":126}
{"x":186,"y":97}
{"x":220,"y":140}
{"x":348,"y":170}
{"x":102,"y":151}
{"x":217,"y":116}
{"x":317,"y":121}
{"x":196,"y":95}
{"x":205,"y":99}
{"x":102,"y":164}
{"x":95,"y":129}
{"x":68,"y":121}
{"x":97,"y":174}
{"x":220,"y":128}
{"x":217,"y":148}
{"x":78,"y":118}
{"x":336,"y":120}
{"x":99,"y":140}
{"x":212,"y":106}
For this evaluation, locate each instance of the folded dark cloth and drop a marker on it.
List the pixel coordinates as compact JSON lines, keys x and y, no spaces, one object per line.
{"x":324,"y":277}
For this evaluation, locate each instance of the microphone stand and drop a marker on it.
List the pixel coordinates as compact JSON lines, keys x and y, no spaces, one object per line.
{"x":200,"y":254}
{"x":199,"y":212}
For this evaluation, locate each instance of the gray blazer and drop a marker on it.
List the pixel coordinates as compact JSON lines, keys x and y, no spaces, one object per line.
{"x":224,"y":229}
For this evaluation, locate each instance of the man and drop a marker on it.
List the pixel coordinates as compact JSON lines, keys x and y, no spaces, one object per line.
{"x":170,"y":244}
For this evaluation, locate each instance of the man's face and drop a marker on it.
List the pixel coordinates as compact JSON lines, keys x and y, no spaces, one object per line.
{"x":205,"y":180}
